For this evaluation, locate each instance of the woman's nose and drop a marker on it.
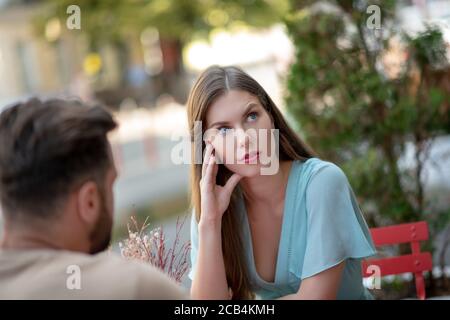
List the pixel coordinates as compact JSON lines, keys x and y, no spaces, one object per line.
{"x":242,"y":138}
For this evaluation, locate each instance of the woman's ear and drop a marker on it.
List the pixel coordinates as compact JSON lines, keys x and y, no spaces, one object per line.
{"x":88,"y":200}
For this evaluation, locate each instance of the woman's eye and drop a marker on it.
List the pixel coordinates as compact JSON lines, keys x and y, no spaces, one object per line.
{"x":252,"y":116}
{"x":223,"y":130}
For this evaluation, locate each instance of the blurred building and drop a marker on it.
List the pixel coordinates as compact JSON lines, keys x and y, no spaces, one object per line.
{"x":51,"y":60}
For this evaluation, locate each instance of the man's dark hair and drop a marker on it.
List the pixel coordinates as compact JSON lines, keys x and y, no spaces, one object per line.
{"x":48,"y":148}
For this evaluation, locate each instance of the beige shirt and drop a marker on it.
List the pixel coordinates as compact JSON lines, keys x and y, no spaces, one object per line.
{"x":56,"y":274}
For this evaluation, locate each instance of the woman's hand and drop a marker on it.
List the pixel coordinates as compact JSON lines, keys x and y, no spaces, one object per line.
{"x":214,"y":198}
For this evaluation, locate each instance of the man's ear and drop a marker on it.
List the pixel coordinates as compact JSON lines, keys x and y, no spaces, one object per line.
{"x":88,"y":200}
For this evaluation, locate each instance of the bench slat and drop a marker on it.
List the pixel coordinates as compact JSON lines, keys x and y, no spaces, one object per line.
{"x":402,"y":233}
{"x":403,"y":264}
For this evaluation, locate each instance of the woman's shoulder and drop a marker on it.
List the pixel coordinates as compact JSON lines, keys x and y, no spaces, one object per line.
{"x":322,"y":171}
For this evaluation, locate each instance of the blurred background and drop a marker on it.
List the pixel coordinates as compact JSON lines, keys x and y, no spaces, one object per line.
{"x":367,"y":88}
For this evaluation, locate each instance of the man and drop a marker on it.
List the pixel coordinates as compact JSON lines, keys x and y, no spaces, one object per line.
{"x":56,"y":194}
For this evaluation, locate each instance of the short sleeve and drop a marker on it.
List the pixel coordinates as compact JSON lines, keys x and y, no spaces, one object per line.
{"x":194,"y":244}
{"x":336,"y":229}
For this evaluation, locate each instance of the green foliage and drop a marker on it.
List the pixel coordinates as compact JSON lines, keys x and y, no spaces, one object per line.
{"x":181,"y":20}
{"x":355,"y":113}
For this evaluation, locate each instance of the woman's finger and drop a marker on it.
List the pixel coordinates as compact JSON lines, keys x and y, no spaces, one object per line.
{"x":216,"y":166}
{"x":209,"y":175}
{"x":232,"y":182}
{"x":208,"y":151}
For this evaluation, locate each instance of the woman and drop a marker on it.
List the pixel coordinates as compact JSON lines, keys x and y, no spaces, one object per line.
{"x":294,"y":234}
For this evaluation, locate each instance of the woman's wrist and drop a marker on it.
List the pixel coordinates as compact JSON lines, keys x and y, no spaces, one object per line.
{"x":210,"y":225}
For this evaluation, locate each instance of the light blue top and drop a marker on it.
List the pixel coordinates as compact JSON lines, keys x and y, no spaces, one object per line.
{"x":322,"y":226}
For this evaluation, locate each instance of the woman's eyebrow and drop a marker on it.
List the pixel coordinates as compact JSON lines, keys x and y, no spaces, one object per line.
{"x":219,"y":123}
{"x":248,"y":106}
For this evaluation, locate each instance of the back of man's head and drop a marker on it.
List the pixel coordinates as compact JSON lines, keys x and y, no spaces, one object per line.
{"x":47,"y":150}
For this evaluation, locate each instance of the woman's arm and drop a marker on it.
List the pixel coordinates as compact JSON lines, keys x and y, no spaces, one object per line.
{"x":322,"y":286}
{"x":209,"y":277}
{"x":210,"y":280}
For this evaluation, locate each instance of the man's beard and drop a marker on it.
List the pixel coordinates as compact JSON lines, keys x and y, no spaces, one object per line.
{"x":101,"y":235}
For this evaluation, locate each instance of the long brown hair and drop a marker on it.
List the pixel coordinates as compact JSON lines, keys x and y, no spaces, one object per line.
{"x":211,"y":84}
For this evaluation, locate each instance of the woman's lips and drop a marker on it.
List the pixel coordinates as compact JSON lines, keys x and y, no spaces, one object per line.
{"x":251,"y":157}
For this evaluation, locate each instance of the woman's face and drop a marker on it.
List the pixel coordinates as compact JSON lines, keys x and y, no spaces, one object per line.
{"x":239,"y":128}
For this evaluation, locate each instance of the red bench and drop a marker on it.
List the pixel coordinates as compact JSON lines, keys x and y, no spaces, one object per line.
{"x":417,"y":262}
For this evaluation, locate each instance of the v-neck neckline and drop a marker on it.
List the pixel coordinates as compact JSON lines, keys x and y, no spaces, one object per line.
{"x":282,"y":246}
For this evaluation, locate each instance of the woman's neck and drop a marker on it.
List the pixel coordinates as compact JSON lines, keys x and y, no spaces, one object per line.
{"x":267,"y":190}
